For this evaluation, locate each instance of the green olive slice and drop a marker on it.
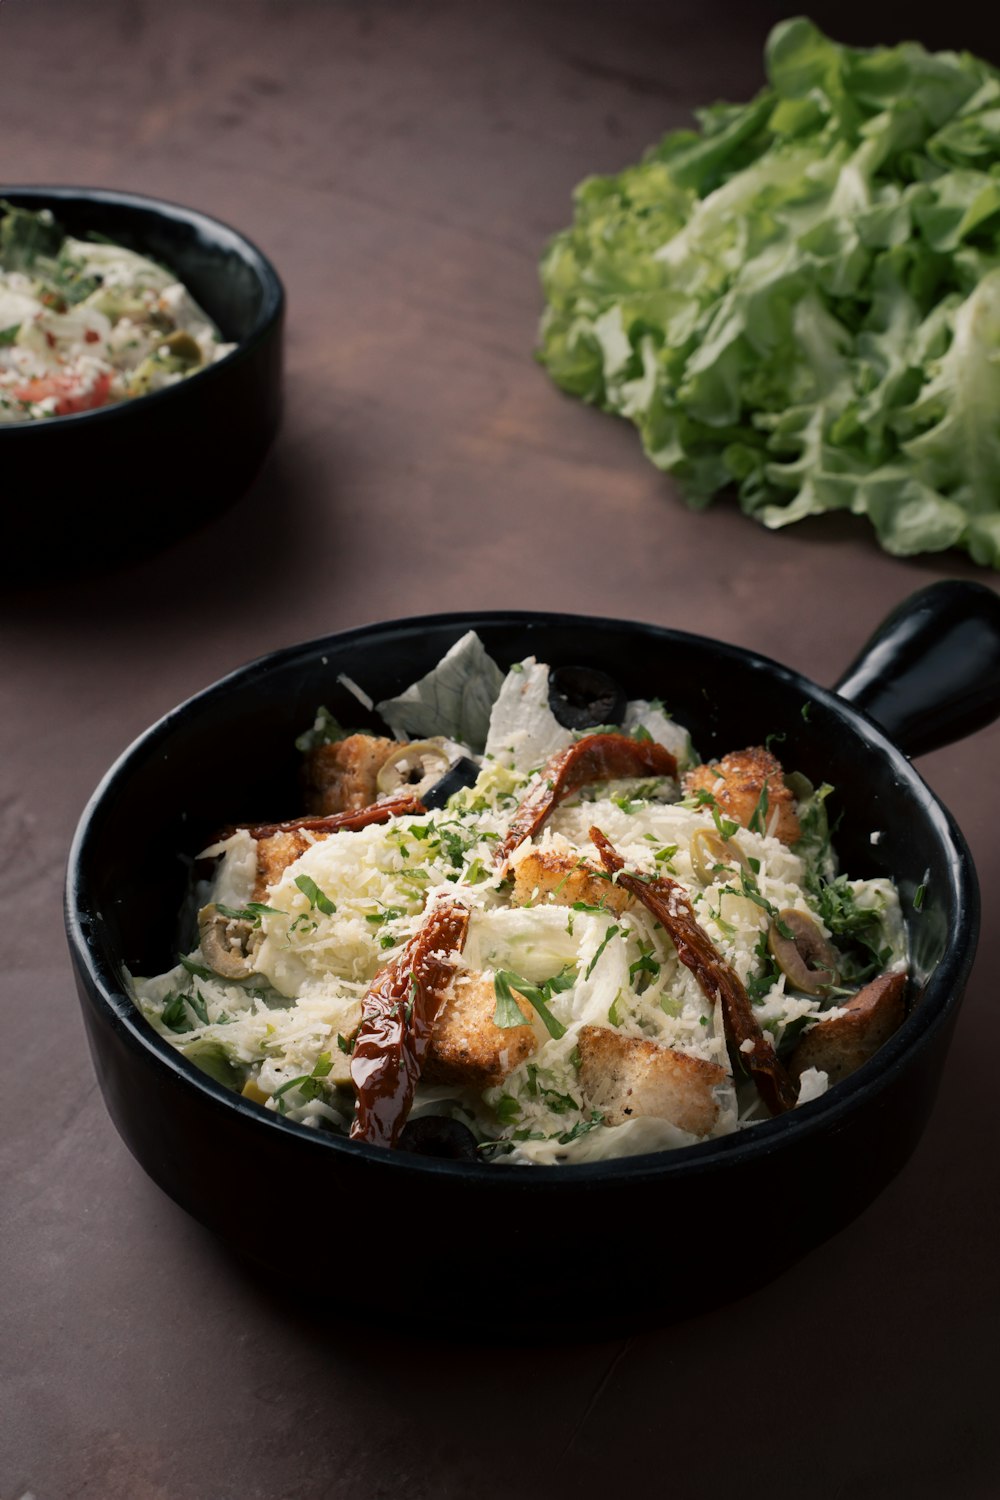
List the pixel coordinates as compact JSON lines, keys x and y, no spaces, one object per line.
{"x":410,"y":764}
{"x":227,"y":943}
{"x":806,"y":959}
{"x":712,"y":856}
{"x":180,"y":345}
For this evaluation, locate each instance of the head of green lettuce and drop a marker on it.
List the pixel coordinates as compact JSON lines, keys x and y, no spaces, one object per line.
{"x":801,"y":298}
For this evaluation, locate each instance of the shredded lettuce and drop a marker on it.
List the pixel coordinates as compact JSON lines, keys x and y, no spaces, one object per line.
{"x":801,"y":299}
{"x":523,"y":730}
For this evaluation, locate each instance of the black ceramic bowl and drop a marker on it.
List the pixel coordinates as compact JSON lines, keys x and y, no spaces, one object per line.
{"x":557,"y":1250}
{"x":103,"y":485}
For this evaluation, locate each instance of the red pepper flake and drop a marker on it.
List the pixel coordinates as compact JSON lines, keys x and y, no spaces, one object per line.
{"x":92,"y":336}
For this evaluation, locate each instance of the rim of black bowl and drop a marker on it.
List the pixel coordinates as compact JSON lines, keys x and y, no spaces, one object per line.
{"x":217,"y":230}
{"x":942,"y":992}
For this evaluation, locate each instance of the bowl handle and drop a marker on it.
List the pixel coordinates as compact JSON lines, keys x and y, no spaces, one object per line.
{"x":931,"y":672}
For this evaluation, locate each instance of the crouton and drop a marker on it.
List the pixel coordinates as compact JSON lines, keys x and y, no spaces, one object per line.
{"x":625,"y":1077}
{"x":274,"y":854}
{"x":737,"y":784}
{"x":465,"y":1046}
{"x":548,"y":877}
{"x":841,"y":1043}
{"x":341,"y":777}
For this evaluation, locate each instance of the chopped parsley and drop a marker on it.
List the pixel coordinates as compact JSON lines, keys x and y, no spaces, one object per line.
{"x":198,"y":970}
{"x":611,"y":932}
{"x":646,"y":964}
{"x":758,"y":818}
{"x":309,"y":1085}
{"x":508,"y":1110}
{"x":508,"y":1013}
{"x":317,"y":899}
{"x":252,"y":912}
{"x":589,"y":1122}
{"x":725,"y":827}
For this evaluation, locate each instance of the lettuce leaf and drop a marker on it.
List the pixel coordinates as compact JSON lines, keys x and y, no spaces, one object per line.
{"x":801,"y":299}
{"x":455,"y":698}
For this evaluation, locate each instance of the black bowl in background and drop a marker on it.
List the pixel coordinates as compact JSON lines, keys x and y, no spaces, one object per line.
{"x":101,"y":486}
{"x":546,"y":1251}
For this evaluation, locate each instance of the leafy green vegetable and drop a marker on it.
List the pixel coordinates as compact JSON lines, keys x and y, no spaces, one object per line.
{"x":507,"y":1108}
{"x":588,"y":1123}
{"x":802,"y":298}
{"x":611,"y":932}
{"x":508,"y":1013}
{"x":326,"y":730}
{"x":252,"y":912}
{"x":317,"y":898}
{"x":455,"y":698}
{"x":309,"y":1085}
{"x":859,"y":930}
{"x":211,"y":1057}
{"x":813,"y":843}
{"x":646,"y":964}
{"x":174,"y":1014}
{"x":198,"y":970}
{"x":25,"y":235}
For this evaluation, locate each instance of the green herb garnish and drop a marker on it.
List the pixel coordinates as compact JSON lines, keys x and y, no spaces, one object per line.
{"x":611,"y":932}
{"x":315,"y":896}
{"x":508,"y":1013}
{"x":252,"y":912}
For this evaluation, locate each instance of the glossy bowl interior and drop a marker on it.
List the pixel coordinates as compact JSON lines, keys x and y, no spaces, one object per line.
{"x":102,"y":485}
{"x":228,"y":755}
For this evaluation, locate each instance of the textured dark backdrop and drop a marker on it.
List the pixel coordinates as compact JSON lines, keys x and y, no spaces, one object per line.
{"x":403,"y":164}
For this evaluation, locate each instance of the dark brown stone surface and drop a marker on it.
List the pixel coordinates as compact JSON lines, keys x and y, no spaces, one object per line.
{"x":403,"y":164}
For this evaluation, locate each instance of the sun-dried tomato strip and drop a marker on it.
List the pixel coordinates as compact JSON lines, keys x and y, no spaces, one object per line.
{"x":397,"y":1017}
{"x":668,"y":903}
{"x":375,"y":812}
{"x":596,"y":757}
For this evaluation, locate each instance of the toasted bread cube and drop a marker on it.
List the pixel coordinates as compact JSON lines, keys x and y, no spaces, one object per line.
{"x":841,"y":1043}
{"x":737,"y":782}
{"x":341,"y":777}
{"x":466,"y":1047}
{"x":274,"y":854}
{"x":545,"y":876}
{"x":625,"y":1077}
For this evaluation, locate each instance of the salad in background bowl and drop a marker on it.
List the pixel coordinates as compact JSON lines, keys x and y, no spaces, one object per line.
{"x":89,"y":480}
{"x":85,"y":323}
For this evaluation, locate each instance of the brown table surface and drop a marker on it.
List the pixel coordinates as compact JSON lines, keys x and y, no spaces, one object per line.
{"x":403,"y":164}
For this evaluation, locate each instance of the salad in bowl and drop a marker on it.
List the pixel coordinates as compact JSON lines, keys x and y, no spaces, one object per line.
{"x":528,"y":925}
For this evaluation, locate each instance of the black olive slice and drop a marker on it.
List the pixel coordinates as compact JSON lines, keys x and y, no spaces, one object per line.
{"x":436,"y":1135}
{"x":582,"y":697}
{"x":463,"y":773}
